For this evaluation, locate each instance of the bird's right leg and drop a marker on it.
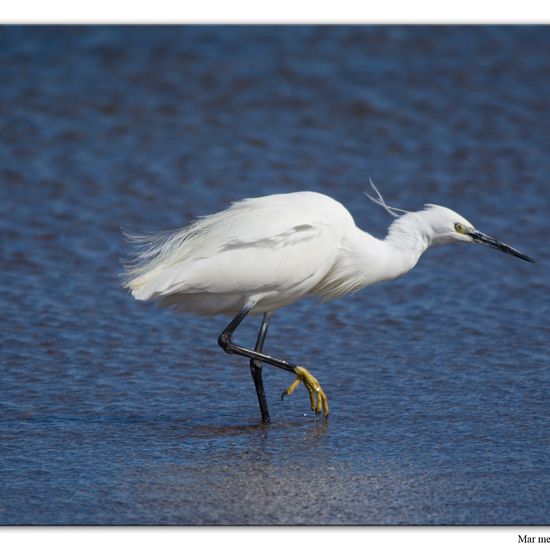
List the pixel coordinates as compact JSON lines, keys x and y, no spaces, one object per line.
{"x":256,"y":370}
{"x":317,"y":396}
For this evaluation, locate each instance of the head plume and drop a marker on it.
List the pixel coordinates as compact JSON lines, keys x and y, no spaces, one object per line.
{"x":392,"y":211}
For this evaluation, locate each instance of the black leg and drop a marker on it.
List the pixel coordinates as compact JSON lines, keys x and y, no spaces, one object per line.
{"x":316,"y":395}
{"x":229,"y":347}
{"x":256,"y":370}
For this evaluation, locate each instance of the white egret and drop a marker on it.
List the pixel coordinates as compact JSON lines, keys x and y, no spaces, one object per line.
{"x":264,"y":253}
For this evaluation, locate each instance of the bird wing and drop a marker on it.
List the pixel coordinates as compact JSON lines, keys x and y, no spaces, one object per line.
{"x":283,"y":243}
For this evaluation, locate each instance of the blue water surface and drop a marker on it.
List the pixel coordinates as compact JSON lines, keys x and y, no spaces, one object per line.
{"x":117,"y":412}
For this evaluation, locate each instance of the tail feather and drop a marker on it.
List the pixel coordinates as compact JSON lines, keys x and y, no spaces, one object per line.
{"x":156,"y":253}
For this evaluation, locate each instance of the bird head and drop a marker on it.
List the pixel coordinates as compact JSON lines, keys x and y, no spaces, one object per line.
{"x":440,"y":225}
{"x":448,"y":226}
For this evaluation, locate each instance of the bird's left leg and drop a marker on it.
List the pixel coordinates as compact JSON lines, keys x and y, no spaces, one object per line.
{"x":316,"y":394}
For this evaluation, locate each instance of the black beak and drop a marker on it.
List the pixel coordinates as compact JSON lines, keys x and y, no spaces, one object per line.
{"x":481,"y":238}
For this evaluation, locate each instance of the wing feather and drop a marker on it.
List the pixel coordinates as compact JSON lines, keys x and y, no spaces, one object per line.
{"x":257,"y":245}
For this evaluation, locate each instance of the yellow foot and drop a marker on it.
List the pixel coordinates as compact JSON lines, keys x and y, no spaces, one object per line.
{"x":317,"y":396}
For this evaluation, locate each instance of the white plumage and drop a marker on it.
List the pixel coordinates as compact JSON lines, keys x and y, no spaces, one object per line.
{"x":275,"y":249}
{"x":271,"y":251}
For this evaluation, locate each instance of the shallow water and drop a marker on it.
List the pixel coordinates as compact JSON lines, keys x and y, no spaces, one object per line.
{"x":116,"y":412}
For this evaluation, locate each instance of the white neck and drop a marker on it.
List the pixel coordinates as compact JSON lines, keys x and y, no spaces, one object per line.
{"x":366,"y":260}
{"x":411,"y":234}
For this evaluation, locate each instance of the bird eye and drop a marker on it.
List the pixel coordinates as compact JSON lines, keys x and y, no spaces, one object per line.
{"x":459,"y":228}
